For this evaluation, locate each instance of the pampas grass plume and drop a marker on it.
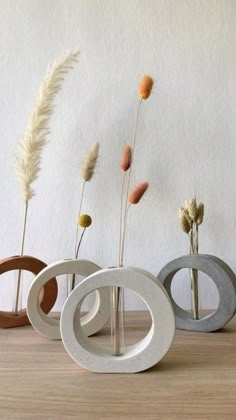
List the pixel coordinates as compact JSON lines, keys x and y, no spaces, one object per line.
{"x":89,"y":163}
{"x":136,"y":195}
{"x":126,"y":158}
{"x":145,"y":87}
{"x":31,"y":146}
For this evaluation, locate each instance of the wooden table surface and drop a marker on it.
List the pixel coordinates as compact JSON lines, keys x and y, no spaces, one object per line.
{"x":195,"y":380}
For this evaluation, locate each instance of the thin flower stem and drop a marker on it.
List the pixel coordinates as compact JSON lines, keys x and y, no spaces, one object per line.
{"x":77,"y":228}
{"x":71,"y":284}
{"x":76,"y":256}
{"x":21,"y":253}
{"x":128,"y":183}
{"x":117,"y":323}
{"x":79,"y":244}
{"x":121,"y":216}
{"x":124,"y":237}
{"x":194,"y":272}
{"x":197,"y":241}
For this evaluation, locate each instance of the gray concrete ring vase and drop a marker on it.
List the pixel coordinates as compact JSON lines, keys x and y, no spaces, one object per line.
{"x":141,"y":356}
{"x":225,"y":281}
{"x":92,"y":322}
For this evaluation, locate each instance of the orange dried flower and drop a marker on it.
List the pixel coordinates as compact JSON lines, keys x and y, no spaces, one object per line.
{"x":126,"y":158}
{"x":136,"y":195}
{"x":145,"y":87}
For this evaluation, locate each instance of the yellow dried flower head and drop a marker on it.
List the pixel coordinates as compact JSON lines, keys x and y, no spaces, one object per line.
{"x":84,"y":220}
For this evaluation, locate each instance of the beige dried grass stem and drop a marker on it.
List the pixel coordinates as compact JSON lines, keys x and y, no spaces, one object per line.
{"x":89,"y":163}
{"x":86,"y":172}
{"x":34,"y":140}
{"x":190,"y":219}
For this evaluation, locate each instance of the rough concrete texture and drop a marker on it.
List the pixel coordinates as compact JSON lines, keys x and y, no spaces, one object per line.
{"x":225,"y":281}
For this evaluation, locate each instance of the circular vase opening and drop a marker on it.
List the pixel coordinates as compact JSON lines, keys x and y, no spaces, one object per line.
{"x":65,"y":287}
{"x":182,"y":293}
{"x":68,"y":273}
{"x":19,"y":271}
{"x":131,"y":320}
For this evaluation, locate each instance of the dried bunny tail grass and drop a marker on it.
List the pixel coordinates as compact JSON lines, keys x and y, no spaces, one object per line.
{"x":184,"y":222}
{"x":89,"y":163}
{"x":186,"y":203}
{"x":192,"y":209}
{"x":145,"y":87}
{"x":188,"y":217}
{"x":200,"y":213}
{"x":31,"y":146}
{"x":126,"y":158}
{"x":136,"y":195}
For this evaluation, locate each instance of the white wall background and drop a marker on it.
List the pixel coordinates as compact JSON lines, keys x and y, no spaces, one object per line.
{"x":186,"y":142}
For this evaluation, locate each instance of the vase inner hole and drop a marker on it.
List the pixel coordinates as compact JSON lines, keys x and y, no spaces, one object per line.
{"x":8,"y":289}
{"x":65,"y":282}
{"x":208,"y":295}
{"x":133,"y":321}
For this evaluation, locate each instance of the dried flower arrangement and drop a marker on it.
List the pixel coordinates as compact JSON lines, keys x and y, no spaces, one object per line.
{"x":127,"y":198}
{"x":35,"y":138}
{"x":190,"y":218}
{"x":144,"y":91}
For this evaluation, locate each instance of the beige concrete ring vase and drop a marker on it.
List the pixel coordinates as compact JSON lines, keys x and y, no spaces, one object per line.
{"x":45,"y":300}
{"x":138,"y":357}
{"x":92,"y":322}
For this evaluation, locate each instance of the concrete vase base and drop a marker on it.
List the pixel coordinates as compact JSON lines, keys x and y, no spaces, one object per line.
{"x":49,"y":327}
{"x":138,"y":357}
{"x":225,"y":281}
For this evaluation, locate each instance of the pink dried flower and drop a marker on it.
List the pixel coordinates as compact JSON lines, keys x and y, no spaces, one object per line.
{"x":136,"y":195}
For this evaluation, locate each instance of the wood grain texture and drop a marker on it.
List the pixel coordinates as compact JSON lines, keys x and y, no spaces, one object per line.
{"x":196,"y":379}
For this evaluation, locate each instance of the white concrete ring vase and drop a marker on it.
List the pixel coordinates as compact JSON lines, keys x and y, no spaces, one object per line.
{"x":92,"y":322}
{"x":225,"y":281}
{"x":138,"y":357}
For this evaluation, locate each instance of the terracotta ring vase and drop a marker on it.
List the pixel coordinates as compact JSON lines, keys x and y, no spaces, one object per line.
{"x":47,"y":296}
